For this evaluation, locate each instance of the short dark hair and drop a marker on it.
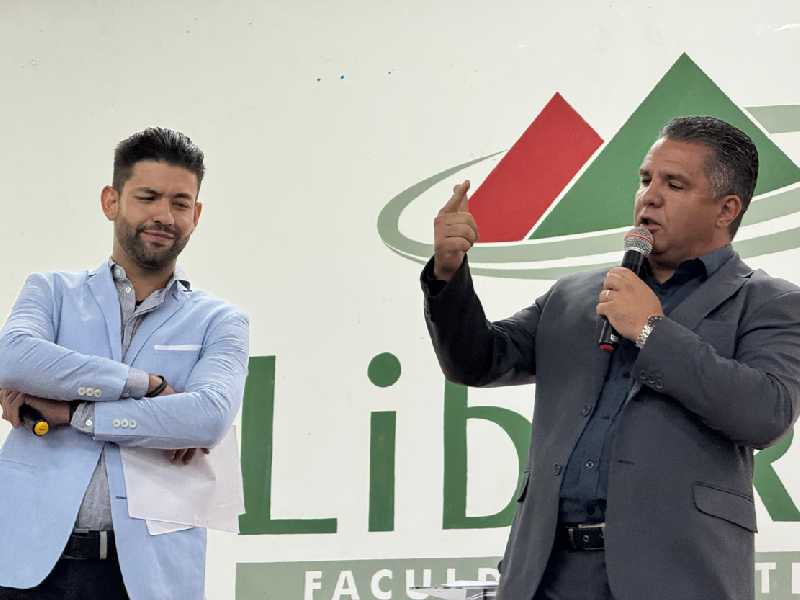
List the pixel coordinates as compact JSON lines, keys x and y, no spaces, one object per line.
{"x":732,"y":167}
{"x":161,"y":145}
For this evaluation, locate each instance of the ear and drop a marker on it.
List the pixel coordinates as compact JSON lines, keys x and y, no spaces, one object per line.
{"x":730,"y":207}
{"x":198,"y":209}
{"x":109,"y":202}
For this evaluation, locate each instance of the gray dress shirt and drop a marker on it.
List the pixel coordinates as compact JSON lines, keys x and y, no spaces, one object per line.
{"x":95,"y":510}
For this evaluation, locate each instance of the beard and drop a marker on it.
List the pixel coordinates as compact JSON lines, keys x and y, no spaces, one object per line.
{"x":148,"y":256}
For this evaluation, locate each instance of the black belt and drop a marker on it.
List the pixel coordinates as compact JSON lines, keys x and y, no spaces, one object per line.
{"x":84,"y":544}
{"x":581,"y":536}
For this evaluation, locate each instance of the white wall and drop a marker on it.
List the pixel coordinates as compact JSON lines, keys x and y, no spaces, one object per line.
{"x":312,"y":116}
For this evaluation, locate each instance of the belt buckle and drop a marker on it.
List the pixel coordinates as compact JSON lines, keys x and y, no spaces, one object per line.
{"x":585,"y":538}
{"x":102,"y":538}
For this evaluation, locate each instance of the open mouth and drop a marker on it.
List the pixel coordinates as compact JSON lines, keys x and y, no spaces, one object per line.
{"x":648,"y":223}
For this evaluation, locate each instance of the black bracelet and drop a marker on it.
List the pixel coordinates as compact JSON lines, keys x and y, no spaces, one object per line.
{"x":158,"y":389}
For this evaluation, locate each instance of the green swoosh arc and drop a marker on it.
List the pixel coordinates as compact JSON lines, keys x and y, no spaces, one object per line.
{"x":774,"y":205}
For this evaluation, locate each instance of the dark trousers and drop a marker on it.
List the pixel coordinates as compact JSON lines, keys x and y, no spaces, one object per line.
{"x":74,"y":579}
{"x":575,"y":575}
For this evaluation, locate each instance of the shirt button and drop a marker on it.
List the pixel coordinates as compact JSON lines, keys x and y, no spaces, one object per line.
{"x":127,"y":290}
{"x":556,"y":469}
{"x":89,"y":422}
{"x":589,"y":464}
{"x":586,"y":410}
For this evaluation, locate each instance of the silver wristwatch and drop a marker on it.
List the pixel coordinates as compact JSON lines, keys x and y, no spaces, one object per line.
{"x":647,"y":330}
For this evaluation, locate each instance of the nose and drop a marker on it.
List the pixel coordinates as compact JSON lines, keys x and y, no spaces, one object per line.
{"x":650,"y":196}
{"x":163,"y":212}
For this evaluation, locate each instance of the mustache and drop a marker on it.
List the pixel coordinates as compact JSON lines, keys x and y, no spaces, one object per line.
{"x":158,"y":228}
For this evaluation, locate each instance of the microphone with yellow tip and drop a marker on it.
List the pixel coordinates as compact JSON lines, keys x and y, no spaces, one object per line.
{"x":33,"y":420}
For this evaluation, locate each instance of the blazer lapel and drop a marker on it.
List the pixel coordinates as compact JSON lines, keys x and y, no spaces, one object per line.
{"x":101,"y":284}
{"x":174,"y":301}
{"x":719,"y":287}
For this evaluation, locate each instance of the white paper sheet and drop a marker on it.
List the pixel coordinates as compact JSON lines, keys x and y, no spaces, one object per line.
{"x":205,"y":493}
{"x":443,"y":593}
{"x":460,"y":590}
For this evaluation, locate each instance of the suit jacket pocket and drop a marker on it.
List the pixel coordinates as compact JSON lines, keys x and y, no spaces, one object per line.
{"x":731,"y":506}
{"x":174,"y":361}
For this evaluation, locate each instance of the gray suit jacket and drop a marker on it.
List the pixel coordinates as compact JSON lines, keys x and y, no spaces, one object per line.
{"x":716,"y":379}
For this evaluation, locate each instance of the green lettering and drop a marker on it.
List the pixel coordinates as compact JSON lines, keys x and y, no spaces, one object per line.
{"x":773,"y":493}
{"x":456,"y":415}
{"x":257,"y":427}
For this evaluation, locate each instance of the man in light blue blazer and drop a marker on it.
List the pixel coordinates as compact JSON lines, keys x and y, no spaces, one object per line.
{"x":127,"y":354}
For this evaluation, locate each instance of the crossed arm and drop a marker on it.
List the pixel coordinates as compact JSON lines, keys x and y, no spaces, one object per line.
{"x":48,"y":376}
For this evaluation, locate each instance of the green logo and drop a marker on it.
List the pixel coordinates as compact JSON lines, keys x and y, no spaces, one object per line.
{"x":560,"y":198}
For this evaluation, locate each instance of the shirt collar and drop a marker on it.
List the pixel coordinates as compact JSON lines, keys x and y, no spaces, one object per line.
{"x":716,"y":258}
{"x":702,"y":266}
{"x":178,"y":277}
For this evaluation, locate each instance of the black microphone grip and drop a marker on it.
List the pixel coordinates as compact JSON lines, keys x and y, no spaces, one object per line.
{"x":609,"y":338}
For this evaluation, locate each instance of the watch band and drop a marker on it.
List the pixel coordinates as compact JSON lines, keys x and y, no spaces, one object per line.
{"x":158,"y":389}
{"x":647,"y":330}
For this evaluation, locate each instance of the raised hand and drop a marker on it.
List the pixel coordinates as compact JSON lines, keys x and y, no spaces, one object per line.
{"x":454,"y":233}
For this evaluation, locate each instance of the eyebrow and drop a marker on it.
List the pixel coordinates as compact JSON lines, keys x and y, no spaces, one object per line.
{"x":676,"y":176}
{"x":154,"y":192}
{"x":147,"y":190}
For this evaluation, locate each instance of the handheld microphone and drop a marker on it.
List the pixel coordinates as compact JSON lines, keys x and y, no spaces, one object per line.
{"x":33,"y":420}
{"x":638,"y":245}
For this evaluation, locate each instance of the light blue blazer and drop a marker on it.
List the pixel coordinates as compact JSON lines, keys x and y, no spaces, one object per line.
{"x":62,"y":339}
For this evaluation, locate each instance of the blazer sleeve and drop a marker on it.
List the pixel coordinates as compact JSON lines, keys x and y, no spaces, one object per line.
{"x":31,"y":361}
{"x":472,"y":350}
{"x":197,"y":417}
{"x":752,"y":398}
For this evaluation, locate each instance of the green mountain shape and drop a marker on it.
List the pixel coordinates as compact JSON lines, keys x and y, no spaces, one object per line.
{"x":602,"y":198}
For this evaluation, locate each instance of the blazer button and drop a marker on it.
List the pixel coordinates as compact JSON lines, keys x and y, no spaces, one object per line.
{"x":115,"y":423}
{"x":556,"y":469}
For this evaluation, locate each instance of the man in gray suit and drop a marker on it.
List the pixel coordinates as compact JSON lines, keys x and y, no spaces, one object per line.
{"x":639,"y":479}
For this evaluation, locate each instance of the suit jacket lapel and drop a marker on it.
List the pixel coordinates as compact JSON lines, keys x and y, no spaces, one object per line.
{"x":719,"y":287}
{"x":101,"y":284}
{"x":173,"y":302}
